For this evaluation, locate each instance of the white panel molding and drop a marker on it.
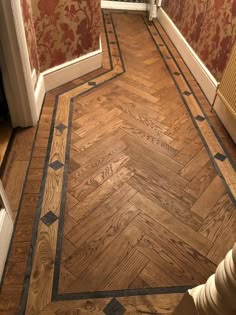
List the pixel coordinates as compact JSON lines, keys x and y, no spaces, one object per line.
{"x":72,"y":70}
{"x":34,"y":77}
{"x":39,"y":93}
{"x":226,"y":116}
{"x":203,"y":76}
{"x":119,"y":5}
{"x":68,"y":71}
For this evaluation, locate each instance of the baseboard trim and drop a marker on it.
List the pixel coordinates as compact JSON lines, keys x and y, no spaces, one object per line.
{"x":39,"y":93}
{"x":129,"y":6}
{"x":203,"y":76}
{"x":118,"y":5}
{"x":72,"y":70}
{"x":6,"y":229}
{"x":57,"y":76}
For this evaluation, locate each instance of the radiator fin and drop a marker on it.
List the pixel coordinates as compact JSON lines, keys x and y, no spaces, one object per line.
{"x":227,"y":87}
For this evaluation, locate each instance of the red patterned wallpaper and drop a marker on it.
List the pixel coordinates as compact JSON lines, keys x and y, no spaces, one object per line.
{"x":30,"y":34}
{"x":58,"y":31}
{"x":209,"y":26}
{"x":65,"y":29}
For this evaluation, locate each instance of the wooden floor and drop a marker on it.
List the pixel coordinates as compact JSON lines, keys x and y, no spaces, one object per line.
{"x":125,"y":207}
{"x":5,"y":136}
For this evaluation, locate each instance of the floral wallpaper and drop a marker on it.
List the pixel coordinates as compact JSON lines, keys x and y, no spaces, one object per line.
{"x":30,"y":35}
{"x":209,"y":26}
{"x":65,"y":29}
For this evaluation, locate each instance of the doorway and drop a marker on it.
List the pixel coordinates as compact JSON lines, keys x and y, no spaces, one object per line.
{"x":6,"y":129}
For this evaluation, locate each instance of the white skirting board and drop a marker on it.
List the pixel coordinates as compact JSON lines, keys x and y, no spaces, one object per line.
{"x":72,"y":70}
{"x":132,"y":6}
{"x":39,"y":93}
{"x":6,"y":229}
{"x":119,"y":5}
{"x":59,"y":75}
{"x":203,"y":76}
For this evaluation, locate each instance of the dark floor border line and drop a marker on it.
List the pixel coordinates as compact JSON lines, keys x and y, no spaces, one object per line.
{"x":121,"y":293}
{"x":232,"y":162}
{"x":95,"y":77}
{"x":63,"y":201}
{"x":107,"y":39}
{"x":42,"y":188}
{"x":7,"y":152}
{"x":24,"y":296}
{"x":19,"y":208}
{"x":193,"y":120}
{"x":97,"y":294}
{"x":57,"y":260}
{"x":118,"y":44}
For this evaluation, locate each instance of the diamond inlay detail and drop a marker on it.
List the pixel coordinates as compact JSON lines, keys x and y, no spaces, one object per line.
{"x":61,"y":127}
{"x":220,"y":157}
{"x":199,"y":118}
{"x":56,"y":165}
{"x":49,"y":218}
{"x":187,"y":93}
{"x":114,"y":307}
{"x":92,"y":83}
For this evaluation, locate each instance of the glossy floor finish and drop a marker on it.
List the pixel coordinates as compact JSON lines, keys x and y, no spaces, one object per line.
{"x":130,"y":194}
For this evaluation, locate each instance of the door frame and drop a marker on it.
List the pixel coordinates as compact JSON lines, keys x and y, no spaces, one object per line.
{"x":6,"y":228}
{"x":15,"y":65}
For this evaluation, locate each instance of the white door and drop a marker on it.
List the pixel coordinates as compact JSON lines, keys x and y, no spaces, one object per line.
{"x":6,"y":228}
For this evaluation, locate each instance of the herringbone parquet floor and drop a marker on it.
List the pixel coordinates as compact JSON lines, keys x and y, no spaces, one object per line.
{"x":145,"y":206}
{"x":146,"y":214}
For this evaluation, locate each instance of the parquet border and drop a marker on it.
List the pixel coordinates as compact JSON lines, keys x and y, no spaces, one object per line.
{"x":226,"y":172}
{"x":77,"y":91}
{"x":232,"y":161}
{"x":26,"y":302}
{"x":120,"y":293}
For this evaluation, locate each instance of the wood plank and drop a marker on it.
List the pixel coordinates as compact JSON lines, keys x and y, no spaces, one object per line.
{"x":81,"y":232}
{"x":203,"y":179}
{"x":99,"y":177}
{"x":209,"y":198}
{"x":126,"y":272}
{"x":152,"y":153}
{"x":42,"y":272}
{"x":152,"y":304}
{"x":168,"y":221}
{"x":88,"y":280}
{"x":102,"y":249}
{"x":165,"y":197}
{"x":148,"y":139}
{"x":93,"y":200}
{"x":164,"y":243}
{"x":16,"y":175}
{"x":218,"y":219}
{"x":146,"y":161}
{"x":98,"y":147}
{"x":195,"y":165}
